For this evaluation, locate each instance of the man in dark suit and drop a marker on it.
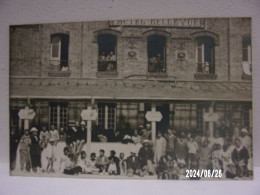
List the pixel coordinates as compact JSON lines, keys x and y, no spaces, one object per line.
{"x":133,"y":164}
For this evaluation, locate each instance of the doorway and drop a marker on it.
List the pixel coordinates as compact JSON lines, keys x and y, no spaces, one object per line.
{"x":163,"y":125}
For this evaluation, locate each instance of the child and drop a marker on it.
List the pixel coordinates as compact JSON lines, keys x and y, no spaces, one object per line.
{"x":51,"y":155}
{"x":162,"y":171}
{"x":44,"y":137}
{"x":216,"y":157}
{"x":25,"y":141}
{"x":192,"y":153}
{"x":54,"y":134}
{"x":112,"y":169}
{"x":182,"y":169}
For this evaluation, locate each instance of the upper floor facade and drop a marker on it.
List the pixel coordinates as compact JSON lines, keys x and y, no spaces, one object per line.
{"x":182,"y":49}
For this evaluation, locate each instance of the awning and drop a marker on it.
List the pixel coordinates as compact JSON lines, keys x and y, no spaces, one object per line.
{"x":136,"y":89}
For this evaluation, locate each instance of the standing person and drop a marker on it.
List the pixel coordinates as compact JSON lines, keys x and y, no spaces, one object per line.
{"x":122,"y":164}
{"x":14,"y":141}
{"x":240,"y":157}
{"x":160,"y":147}
{"x":54,"y":134}
{"x":51,"y":155}
{"x":35,"y":151}
{"x":71,"y":140}
{"x":193,"y":149}
{"x":181,"y":147}
{"x":228,"y":165}
{"x":24,"y":147}
{"x":216,"y":156}
{"x":81,"y":136}
{"x":146,"y":156}
{"x":44,"y":137}
{"x":170,"y":137}
{"x":246,"y":140}
{"x":205,"y":155}
{"x":102,"y":162}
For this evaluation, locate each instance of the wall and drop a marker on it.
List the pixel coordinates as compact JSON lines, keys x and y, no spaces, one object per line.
{"x":30,"y":48}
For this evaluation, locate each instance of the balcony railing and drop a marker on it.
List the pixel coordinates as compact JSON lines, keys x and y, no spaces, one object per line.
{"x":59,"y":68}
{"x":204,"y":72}
{"x":107,"y":66}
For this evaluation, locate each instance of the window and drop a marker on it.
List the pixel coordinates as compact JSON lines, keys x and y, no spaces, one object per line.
{"x":247,"y":55}
{"x":59,"y":52}
{"x":107,"y":53}
{"x":205,"y":55}
{"x":107,"y":116}
{"x":59,"y":115}
{"x":185,"y":117}
{"x":156,"y":53}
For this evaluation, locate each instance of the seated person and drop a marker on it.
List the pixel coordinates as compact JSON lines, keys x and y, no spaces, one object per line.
{"x":146,"y":156}
{"x":91,"y":164}
{"x":133,"y":165}
{"x":111,"y":56}
{"x":136,"y":138}
{"x":82,"y":161}
{"x":102,"y":162}
{"x":112,"y":168}
{"x":67,"y":164}
{"x":114,"y":162}
{"x":102,"y":138}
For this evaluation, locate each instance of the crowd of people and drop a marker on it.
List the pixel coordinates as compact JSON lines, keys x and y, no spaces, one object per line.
{"x":107,"y":62}
{"x":156,"y":64}
{"x":169,"y":157}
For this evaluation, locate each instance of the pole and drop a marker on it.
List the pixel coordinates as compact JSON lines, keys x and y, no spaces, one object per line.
{"x":88,"y":135}
{"x":26,"y":121}
{"x":153,"y":125}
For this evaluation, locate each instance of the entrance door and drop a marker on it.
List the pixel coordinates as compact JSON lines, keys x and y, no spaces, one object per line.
{"x":163,"y":125}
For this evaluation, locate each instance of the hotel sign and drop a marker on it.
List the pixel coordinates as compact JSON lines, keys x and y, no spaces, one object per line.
{"x":175,"y":23}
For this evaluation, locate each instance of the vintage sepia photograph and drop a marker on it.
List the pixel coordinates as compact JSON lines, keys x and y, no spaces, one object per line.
{"x":166,"y":99}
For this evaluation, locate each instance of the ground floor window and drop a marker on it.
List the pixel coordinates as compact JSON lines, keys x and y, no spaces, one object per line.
{"x":59,"y":115}
{"x":185,"y":117}
{"x":107,"y":116}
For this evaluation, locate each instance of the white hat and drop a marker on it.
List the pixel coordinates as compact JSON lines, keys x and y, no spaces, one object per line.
{"x":146,"y":141}
{"x":134,"y":150}
{"x":244,"y":130}
{"x":82,"y":123}
{"x":33,"y":129}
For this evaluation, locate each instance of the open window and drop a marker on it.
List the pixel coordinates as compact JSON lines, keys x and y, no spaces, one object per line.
{"x":156,"y":48}
{"x":247,"y":55}
{"x":107,"y":60}
{"x":59,"y":52}
{"x":205,"y":55}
